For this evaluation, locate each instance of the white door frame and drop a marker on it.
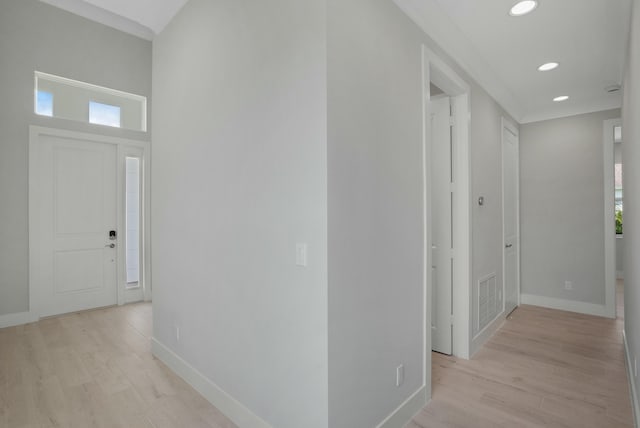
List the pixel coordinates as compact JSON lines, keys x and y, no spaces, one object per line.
{"x":442,"y":75}
{"x":124,"y":146}
{"x":609,"y":217}
{"x":507,"y":124}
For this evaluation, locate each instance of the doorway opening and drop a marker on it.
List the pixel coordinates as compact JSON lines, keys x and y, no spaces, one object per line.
{"x":447,"y":223}
{"x":613,"y":215}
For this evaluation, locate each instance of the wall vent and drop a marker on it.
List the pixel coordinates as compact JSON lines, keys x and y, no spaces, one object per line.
{"x":488,"y":301}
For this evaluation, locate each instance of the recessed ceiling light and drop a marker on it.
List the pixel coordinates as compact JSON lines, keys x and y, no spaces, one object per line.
{"x":561,"y":98}
{"x":523,"y":7}
{"x":548,"y":66}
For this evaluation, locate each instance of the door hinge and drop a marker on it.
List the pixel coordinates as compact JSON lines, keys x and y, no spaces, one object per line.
{"x":452,"y":120}
{"x":451,"y":319}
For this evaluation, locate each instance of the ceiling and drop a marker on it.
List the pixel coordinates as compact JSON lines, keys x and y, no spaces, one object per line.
{"x":587,"y":37}
{"x":143,"y":18}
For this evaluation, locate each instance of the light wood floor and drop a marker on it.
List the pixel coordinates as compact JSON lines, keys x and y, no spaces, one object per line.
{"x":543,"y":368}
{"x":94,"y":369}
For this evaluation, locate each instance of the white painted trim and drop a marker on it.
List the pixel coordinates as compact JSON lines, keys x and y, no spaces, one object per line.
{"x":34,"y":192}
{"x":102,"y":16}
{"x":407,"y":410}
{"x":232,"y":408}
{"x":485,"y":334}
{"x":608,"y":145}
{"x":437,"y":71}
{"x":564,"y":305}
{"x":11,"y":320}
{"x":426,"y":225}
{"x":632,"y":385}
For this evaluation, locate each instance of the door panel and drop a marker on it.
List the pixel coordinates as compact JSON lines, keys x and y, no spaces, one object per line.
{"x":510,"y":187}
{"x":78,"y":208}
{"x":441,"y":198}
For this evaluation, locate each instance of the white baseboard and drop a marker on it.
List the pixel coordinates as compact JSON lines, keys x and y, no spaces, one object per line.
{"x":11,"y":320}
{"x":632,"y":384}
{"x":486,"y":333}
{"x":232,"y":408}
{"x":565,"y":305}
{"x":407,"y":410}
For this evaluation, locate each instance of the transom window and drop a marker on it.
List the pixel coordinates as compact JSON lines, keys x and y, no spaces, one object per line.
{"x":64,"y":98}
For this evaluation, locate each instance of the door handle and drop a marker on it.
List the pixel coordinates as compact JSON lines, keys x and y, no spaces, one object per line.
{"x":508,"y":246}
{"x":112,"y":245}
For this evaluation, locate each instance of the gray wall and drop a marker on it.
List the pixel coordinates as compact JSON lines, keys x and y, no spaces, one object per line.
{"x":239,"y":177}
{"x":631,"y":165}
{"x":375,"y":210}
{"x":36,"y":36}
{"x":249,"y":99}
{"x":486,"y":181}
{"x":375,"y":206}
{"x":561,"y":194}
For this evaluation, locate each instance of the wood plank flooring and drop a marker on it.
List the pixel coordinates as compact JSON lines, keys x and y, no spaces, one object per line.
{"x":94,"y":369}
{"x":543,"y":368}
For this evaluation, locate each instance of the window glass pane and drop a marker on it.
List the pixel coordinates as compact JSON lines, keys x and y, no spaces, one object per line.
{"x":133,"y":220}
{"x":109,"y":107}
{"x":618,"y":176}
{"x":44,"y":103}
{"x":104,"y":114}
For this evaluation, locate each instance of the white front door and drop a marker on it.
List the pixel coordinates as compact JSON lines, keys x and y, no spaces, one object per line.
{"x":510,"y":186}
{"x":76,"y":265}
{"x":441,"y":225}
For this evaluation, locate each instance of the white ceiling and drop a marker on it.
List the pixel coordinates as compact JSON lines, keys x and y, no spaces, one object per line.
{"x":587,"y":37}
{"x":143,"y":18}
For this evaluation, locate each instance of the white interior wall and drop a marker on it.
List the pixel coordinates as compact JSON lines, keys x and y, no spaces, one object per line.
{"x":562,"y":176}
{"x":36,"y":36}
{"x":239,"y":178}
{"x":631,"y":165}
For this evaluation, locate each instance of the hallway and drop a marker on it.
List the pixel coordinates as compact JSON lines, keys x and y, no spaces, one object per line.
{"x":542,"y":368}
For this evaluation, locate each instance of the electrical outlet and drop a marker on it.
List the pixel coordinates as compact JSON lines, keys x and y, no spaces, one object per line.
{"x":301,"y":254}
{"x":568,"y":285}
{"x":400,"y":375}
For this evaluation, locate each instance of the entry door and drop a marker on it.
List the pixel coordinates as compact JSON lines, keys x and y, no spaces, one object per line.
{"x":77,"y":208}
{"x":510,"y":186}
{"x":441,"y":201}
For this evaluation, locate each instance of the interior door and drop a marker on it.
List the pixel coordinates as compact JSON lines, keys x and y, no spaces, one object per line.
{"x":441,"y":226}
{"x":510,"y":186}
{"x":77,"y":210}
